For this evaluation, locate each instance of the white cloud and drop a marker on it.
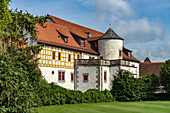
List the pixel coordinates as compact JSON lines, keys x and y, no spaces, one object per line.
{"x":141,"y":30}
{"x":113,"y":9}
{"x":156,"y":51}
{"x":88,"y":2}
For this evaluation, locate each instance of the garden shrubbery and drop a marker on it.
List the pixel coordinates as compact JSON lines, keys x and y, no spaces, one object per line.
{"x":126,"y":88}
{"x":51,"y":94}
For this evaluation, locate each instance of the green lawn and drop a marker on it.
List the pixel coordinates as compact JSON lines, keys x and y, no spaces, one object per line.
{"x":114,"y":107}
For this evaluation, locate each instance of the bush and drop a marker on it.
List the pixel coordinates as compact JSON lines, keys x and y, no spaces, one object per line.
{"x":126,"y":88}
{"x":51,"y":94}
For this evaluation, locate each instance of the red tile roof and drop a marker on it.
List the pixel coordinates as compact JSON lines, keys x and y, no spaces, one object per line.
{"x":149,"y":68}
{"x":76,"y":29}
{"x":50,"y":35}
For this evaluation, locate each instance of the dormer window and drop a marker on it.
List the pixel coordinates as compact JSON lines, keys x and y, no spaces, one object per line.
{"x":129,"y":54}
{"x":79,"y":40}
{"x":65,"y":38}
{"x":89,"y":34}
{"x":82,"y":42}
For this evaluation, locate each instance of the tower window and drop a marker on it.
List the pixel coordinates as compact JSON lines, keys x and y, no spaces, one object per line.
{"x":120,"y":53}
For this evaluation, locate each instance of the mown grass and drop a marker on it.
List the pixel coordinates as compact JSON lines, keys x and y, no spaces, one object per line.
{"x":112,"y":107}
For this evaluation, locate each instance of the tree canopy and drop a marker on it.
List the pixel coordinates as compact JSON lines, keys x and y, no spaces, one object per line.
{"x":18,"y":68}
{"x":165,"y":76}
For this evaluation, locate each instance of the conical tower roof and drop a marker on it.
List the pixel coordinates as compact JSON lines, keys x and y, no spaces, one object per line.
{"x":110,"y":34}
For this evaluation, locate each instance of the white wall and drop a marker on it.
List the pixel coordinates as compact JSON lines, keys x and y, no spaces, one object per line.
{"x":92,"y":78}
{"x":136,"y":65}
{"x":133,"y":70}
{"x":47,"y":73}
{"x":86,"y":56}
{"x":105,"y":84}
{"x":109,"y":48}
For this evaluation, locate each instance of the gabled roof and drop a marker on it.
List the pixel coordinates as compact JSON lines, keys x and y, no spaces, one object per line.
{"x":110,"y":34}
{"x":50,"y":35}
{"x":76,"y":29}
{"x":149,"y":68}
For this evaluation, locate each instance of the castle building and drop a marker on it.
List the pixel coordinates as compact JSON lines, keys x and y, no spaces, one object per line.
{"x":79,"y":58}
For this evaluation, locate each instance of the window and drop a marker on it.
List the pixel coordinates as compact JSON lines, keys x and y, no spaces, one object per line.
{"x":78,"y":56}
{"x":115,"y":77}
{"x":82,"y":42}
{"x":85,"y":77}
{"x":120,"y":53}
{"x":69,"y":57}
{"x":129,"y":54}
{"x":95,"y":44}
{"x":53,"y":55}
{"x":105,"y":75}
{"x":72,"y":77}
{"x":61,"y":76}
{"x":59,"y":56}
{"x":101,"y":57}
{"x":133,"y":65}
{"x":52,"y":72}
{"x":66,"y":40}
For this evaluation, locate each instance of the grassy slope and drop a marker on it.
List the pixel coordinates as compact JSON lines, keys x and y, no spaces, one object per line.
{"x":114,"y":107}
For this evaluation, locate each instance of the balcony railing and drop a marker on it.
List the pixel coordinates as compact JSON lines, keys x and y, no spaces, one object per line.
{"x":102,"y":62}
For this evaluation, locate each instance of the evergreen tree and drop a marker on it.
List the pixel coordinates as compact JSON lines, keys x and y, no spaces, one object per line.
{"x":165,"y":76}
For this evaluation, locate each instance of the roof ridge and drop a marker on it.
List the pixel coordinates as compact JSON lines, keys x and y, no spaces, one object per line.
{"x":152,"y":62}
{"x":75,"y":24}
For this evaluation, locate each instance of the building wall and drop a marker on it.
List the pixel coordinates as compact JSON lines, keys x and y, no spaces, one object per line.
{"x":133,"y":70}
{"x":86,"y":56}
{"x":105,"y":84}
{"x":92,"y":82}
{"x":46,"y":57}
{"x":136,"y":65}
{"x":109,"y":49}
{"x":67,"y":83}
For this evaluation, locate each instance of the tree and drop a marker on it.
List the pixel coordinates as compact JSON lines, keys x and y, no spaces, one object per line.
{"x":165,"y":76}
{"x":126,"y":88}
{"x":18,"y":69}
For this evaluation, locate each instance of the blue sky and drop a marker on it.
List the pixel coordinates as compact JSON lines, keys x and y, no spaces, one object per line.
{"x":144,"y":24}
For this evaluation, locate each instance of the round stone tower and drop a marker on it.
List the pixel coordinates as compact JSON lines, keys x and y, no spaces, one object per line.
{"x":110,"y":46}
